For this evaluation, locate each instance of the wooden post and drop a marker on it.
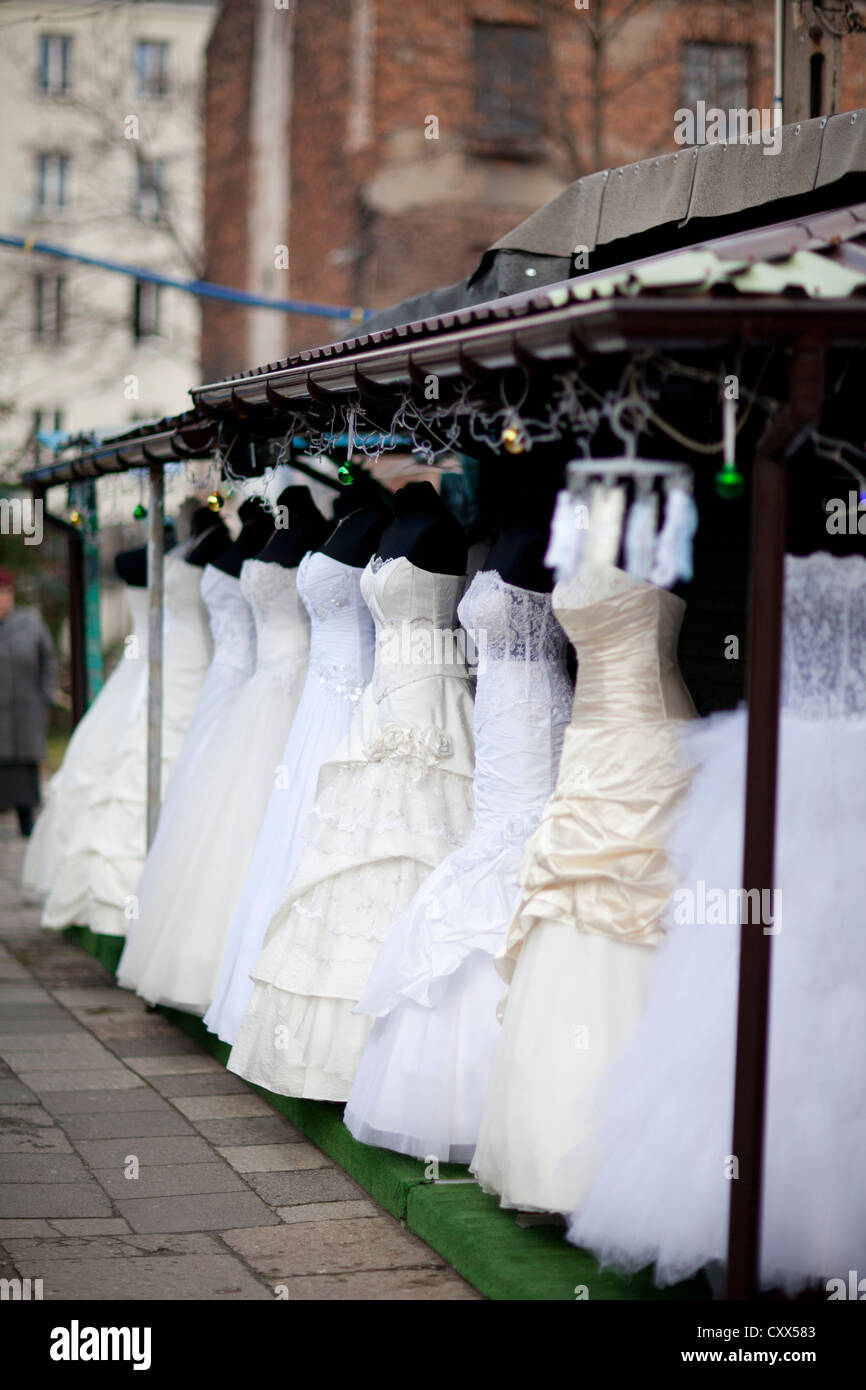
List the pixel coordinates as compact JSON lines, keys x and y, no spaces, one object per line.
{"x":806,"y":375}
{"x":75,"y":580}
{"x":155,"y":549}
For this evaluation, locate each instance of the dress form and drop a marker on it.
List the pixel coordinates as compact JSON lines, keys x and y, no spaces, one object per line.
{"x":355,"y":537}
{"x":425,"y":531}
{"x":213,"y":540}
{"x":306,"y":530}
{"x":131,"y":565}
{"x":256,"y":525}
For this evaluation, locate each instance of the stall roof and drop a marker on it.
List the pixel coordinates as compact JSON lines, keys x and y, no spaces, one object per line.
{"x":766,"y":285}
{"x":661,"y":204}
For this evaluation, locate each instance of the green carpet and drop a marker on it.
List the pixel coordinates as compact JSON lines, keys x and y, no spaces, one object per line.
{"x":459,"y":1221}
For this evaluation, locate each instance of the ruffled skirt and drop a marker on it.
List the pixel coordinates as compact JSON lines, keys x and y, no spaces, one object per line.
{"x":378,"y":828}
{"x":663,"y":1194}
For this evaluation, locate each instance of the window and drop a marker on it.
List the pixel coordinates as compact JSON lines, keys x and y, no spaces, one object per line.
{"x":52,"y":183}
{"x":48,"y":308}
{"x":716,"y":73}
{"x":145,"y":310}
{"x":151,"y":69}
{"x":149,"y":190}
{"x":55,"y":61}
{"x":510,"y":62}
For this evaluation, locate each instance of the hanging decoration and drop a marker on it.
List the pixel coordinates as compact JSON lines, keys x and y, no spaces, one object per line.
{"x":215,"y":501}
{"x":729,"y":479}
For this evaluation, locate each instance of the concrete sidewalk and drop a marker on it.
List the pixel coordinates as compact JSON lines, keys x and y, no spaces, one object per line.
{"x":133,"y":1166}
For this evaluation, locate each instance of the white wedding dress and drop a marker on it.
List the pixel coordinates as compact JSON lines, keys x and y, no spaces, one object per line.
{"x":95,"y":883}
{"x":434,"y":989}
{"x":594,"y":882}
{"x":394,"y":799}
{"x":88,"y":754}
{"x":339,"y":669}
{"x":188,"y":891}
{"x":663,"y":1194}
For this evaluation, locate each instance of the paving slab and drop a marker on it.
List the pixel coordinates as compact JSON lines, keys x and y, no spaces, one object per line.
{"x":326,"y":1247}
{"x":113,"y":1153}
{"x":54,"y":1199}
{"x":127,"y":1124}
{"x":170,"y":1065}
{"x":33,"y":1246}
{"x":24,"y":1117}
{"x":222,"y":1107}
{"x":171,"y":1180}
{"x":40,"y":1140}
{"x":329,"y":1211}
{"x":15,"y":1092}
{"x":205,"y":1084}
{"x":379,"y":1285}
{"x":39,"y":1168}
{"x":221,"y":1211}
{"x":271,"y":1129}
{"x":107,"y":1079}
{"x":275,"y":1158}
{"x":91,"y":1226}
{"x":191,"y":1278}
{"x":314,"y":1185}
{"x":91,"y":1102}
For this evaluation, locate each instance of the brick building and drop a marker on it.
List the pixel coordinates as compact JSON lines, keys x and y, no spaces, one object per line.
{"x":387,"y":143}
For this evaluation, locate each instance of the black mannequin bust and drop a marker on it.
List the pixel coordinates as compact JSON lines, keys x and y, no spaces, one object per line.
{"x":131,"y":565}
{"x":306,"y":530}
{"x":523,"y":514}
{"x":362,"y":517}
{"x":213,"y":535}
{"x":425,"y":531}
{"x":256,"y":525}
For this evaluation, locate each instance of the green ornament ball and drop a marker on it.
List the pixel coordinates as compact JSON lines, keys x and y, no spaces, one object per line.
{"x":139,"y":512}
{"x":345,"y":474}
{"x":729,"y":483}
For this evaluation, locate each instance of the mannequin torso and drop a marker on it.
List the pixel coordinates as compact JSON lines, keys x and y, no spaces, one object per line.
{"x":425,"y":531}
{"x":306,"y":529}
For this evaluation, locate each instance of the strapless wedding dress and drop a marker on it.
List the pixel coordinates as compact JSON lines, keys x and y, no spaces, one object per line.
{"x":187,"y":894}
{"x":666,"y":1115}
{"x":339,"y":669}
{"x":434,"y":989}
{"x":95,"y":883}
{"x":594,"y":881}
{"x":394,"y":799}
{"x":88,"y":754}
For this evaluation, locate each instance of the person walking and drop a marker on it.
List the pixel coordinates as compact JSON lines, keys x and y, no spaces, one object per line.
{"x":28,"y":673}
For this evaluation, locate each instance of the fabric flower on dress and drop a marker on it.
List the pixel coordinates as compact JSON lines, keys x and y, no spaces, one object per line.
{"x":393,"y":741}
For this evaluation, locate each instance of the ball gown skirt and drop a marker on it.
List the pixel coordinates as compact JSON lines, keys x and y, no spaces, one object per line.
{"x":666,"y":1114}
{"x":392,"y":802}
{"x":433,"y":989}
{"x":95,"y":883}
{"x":594,"y":881}
{"x":188,"y":895}
{"x":340,"y":665}
{"x":88,"y":754}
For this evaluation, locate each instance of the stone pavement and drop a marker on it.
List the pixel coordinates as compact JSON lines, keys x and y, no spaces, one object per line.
{"x":133,"y":1166}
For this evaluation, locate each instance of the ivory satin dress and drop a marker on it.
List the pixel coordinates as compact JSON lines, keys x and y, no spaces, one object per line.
{"x":666,"y":1111}
{"x":393,"y":800}
{"x":594,"y":880}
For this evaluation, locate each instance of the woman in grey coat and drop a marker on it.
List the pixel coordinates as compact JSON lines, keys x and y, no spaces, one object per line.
{"x":27,"y":686}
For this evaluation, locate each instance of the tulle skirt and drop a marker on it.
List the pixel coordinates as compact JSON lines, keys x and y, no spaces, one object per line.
{"x":189,"y":889}
{"x":376,"y":831}
{"x":663,"y":1193}
{"x":434,"y":991}
{"x":321,"y":721}
{"x":85,"y":763}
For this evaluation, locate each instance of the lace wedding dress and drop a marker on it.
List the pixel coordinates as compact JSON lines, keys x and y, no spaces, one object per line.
{"x":434,"y":989}
{"x":339,"y":669}
{"x":95,"y":883}
{"x":88,"y":754}
{"x":188,"y":892}
{"x":594,"y":881}
{"x":663,"y":1194}
{"x":394,"y":799}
